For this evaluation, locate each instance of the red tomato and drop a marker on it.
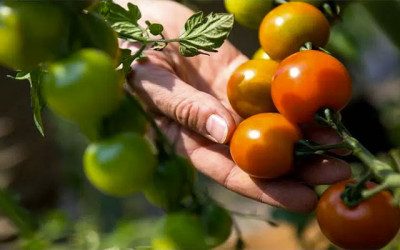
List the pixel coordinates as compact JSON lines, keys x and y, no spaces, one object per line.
{"x":249,"y":88}
{"x":309,"y":81}
{"x":263,"y":145}
{"x":289,"y":26}
{"x":371,"y":224}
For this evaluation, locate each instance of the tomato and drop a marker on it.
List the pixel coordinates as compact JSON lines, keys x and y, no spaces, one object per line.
{"x":369,"y":225}
{"x":260,"y":54}
{"x":248,"y":13}
{"x":31,"y":32}
{"x":179,"y":231}
{"x":307,"y":82}
{"x":263,"y":145}
{"x":249,"y":87}
{"x":289,"y":26}
{"x":217,"y":224}
{"x":172,"y":182}
{"x":120,"y":165}
{"x":95,"y":32}
{"x":83,"y":87}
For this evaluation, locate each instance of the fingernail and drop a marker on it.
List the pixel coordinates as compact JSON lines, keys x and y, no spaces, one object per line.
{"x":217,"y":128}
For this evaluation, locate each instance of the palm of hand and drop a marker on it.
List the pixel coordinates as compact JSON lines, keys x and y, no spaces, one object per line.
{"x":184,"y":92}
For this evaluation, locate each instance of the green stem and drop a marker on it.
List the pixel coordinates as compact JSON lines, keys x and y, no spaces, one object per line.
{"x":163,"y":40}
{"x":382,"y":171}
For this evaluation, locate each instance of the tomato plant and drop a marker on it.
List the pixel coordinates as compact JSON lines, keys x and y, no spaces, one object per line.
{"x":369,"y":225}
{"x":120,"y":165}
{"x":248,"y":13}
{"x":31,"y":32}
{"x":179,"y":231}
{"x":249,"y":87}
{"x":95,"y":32}
{"x":171,"y":183}
{"x":289,"y":26}
{"x":217,"y":224}
{"x":262,"y":145}
{"x":83,"y":87}
{"x":309,"y":81}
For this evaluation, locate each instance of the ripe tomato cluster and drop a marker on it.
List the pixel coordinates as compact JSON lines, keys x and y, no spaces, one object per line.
{"x":284,"y":86}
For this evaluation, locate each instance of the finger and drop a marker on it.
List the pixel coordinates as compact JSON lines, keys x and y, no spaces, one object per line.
{"x":164,"y":92}
{"x":318,"y":169}
{"x":323,"y":136}
{"x":214,"y":161}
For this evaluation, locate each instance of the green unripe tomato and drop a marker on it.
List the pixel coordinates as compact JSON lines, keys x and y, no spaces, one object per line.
{"x":82,"y":88}
{"x":95,"y":32}
{"x":249,"y":13}
{"x":120,"y":165}
{"x":217,"y":224}
{"x":260,"y":54}
{"x":172,"y":182}
{"x":179,"y":231}
{"x":31,"y":32}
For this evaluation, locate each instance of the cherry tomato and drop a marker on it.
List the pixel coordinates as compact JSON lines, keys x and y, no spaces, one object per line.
{"x":248,"y":13}
{"x":369,"y":225}
{"x":249,"y":87}
{"x":31,"y":32}
{"x":289,"y":26}
{"x":179,"y":231}
{"x":260,"y":54}
{"x":83,"y":87}
{"x":171,"y":183}
{"x":95,"y":32}
{"x":307,"y":82}
{"x":217,"y":224}
{"x":120,"y":165}
{"x":263,"y":145}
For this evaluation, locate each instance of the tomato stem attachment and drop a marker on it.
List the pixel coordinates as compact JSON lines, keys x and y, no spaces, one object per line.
{"x":380,"y":170}
{"x":305,"y":147}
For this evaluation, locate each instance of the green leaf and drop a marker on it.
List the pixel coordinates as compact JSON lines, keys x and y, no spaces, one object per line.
{"x":156,"y":29}
{"x":205,"y":33}
{"x":126,"y":58}
{"x":37,"y":102}
{"x":123,"y":21}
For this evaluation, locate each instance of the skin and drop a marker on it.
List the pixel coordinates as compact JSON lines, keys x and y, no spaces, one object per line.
{"x":299,"y":79}
{"x":289,"y":26}
{"x":369,"y":225}
{"x":262,"y":145}
{"x":249,"y":87}
{"x":183,"y":92}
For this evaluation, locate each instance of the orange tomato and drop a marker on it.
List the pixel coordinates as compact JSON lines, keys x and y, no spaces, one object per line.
{"x":371,"y":224}
{"x":309,"y":81}
{"x":263,"y":145}
{"x":249,"y":88}
{"x":289,"y":26}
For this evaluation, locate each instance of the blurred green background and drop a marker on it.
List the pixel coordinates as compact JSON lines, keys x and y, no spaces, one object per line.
{"x":46,"y":173}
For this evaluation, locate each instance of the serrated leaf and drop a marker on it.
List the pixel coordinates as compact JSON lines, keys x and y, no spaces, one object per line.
{"x":126,"y":59}
{"x":205,"y":33}
{"x":123,"y":21}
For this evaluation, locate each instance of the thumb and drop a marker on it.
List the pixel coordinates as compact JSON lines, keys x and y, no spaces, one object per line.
{"x":166,"y":93}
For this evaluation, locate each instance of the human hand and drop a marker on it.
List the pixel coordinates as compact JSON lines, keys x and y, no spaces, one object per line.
{"x":188,"y":98}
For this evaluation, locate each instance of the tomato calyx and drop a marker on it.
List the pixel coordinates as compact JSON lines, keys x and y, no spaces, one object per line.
{"x":310,"y":46}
